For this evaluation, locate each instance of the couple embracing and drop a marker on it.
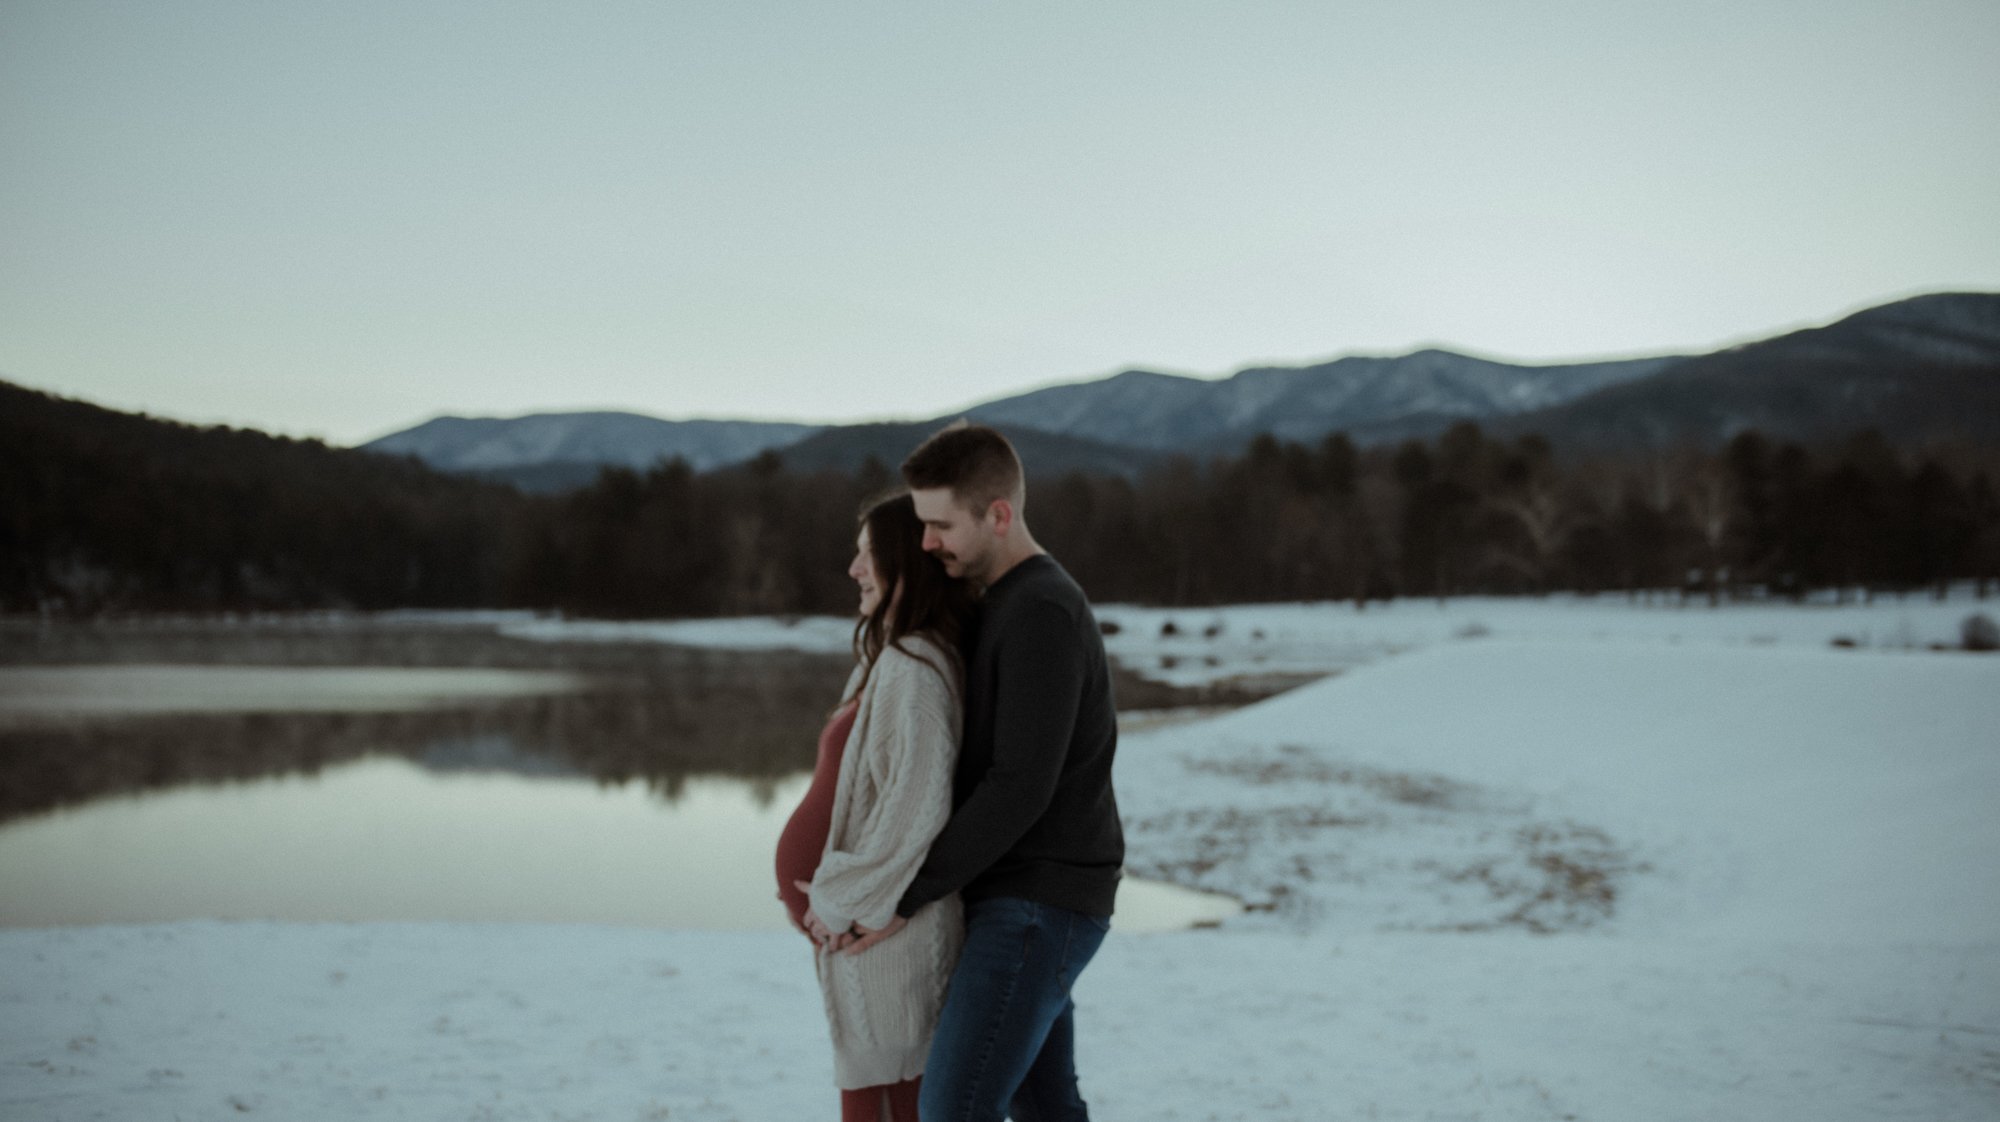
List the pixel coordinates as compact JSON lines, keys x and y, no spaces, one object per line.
{"x":956,"y":857}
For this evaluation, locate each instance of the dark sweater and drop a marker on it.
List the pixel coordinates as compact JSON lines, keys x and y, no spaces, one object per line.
{"x":1032,"y":811}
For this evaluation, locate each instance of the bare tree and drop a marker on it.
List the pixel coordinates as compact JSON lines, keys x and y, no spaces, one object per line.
{"x":1711,"y":501}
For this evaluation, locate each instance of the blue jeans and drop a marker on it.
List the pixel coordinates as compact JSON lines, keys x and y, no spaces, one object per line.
{"x":1005,"y":1041}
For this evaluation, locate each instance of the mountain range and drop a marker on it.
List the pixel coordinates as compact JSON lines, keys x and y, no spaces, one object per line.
{"x":1920,"y":369}
{"x":551,"y":451}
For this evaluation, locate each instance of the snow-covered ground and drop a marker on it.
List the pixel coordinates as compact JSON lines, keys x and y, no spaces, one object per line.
{"x":1192,"y":645}
{"x":1583,"y":860}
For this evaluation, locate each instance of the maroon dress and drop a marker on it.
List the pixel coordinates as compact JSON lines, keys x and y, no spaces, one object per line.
{"x":804,"y":838}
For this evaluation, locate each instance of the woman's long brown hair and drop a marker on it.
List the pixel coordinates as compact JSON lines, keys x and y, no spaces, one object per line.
{"x":918,"y":598}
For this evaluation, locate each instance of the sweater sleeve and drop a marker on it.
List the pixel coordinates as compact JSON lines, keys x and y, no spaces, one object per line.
{"x":911,"y":720}
{"x":1038,"y":688}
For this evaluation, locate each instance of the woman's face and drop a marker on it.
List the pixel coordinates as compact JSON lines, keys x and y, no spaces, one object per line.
{"x":862,"y":569}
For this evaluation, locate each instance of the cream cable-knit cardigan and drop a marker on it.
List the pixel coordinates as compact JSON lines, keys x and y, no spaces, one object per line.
{"x":892,"y":799}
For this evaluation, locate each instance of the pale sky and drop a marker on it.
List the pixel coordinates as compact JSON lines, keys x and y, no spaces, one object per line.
{"x":342,"y":219}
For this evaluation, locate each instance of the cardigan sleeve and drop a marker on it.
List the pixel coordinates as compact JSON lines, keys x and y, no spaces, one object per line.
{"x":908,"y":737}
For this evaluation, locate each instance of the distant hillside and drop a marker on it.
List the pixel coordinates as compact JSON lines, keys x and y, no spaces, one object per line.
{"x":102,"y":510}
{"x":581,"y":442}
{"x":1918,"y":370}
{"x":105,"y":512}
{"x":1415,"y":394}
{"x":551,"y":478}
{"x":847,"y":447}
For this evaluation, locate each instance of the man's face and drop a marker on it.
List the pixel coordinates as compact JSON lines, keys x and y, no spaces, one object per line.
{"x":965,"y":543}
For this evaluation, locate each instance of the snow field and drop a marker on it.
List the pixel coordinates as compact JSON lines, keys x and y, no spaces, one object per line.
{"x":1763,"y":873}
{"x":1788,"y":793}
{"x":1210,"y":643}
{"x":391,"y":1021}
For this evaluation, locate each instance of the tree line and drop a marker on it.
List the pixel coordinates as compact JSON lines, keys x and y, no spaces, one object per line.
{"x":105,"y":512}
{"x":1468,"y":513}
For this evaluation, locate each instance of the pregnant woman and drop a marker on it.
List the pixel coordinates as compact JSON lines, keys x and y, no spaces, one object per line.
{"x":880,"y":793}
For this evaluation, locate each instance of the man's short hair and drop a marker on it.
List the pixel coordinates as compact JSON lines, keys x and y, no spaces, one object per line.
{"x":976,"y":462}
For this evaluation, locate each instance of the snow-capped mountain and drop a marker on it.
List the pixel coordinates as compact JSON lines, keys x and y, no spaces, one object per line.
{"x":502,"y":445}
{"x":1918,"y":369}
{"x":1952,"y":328}
{"x":1162,"y":411}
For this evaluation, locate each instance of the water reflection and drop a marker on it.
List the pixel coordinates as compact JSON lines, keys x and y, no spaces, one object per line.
{"x":168,"y":703}
{"x":31,"y":695}
{"x":384,"y":839}
{"x":660,"y":727}
{"x":387,"y":839}
{"x":344,"y":770}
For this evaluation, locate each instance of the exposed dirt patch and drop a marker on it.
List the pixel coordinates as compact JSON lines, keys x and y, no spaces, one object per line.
{"x":1298,"y":832}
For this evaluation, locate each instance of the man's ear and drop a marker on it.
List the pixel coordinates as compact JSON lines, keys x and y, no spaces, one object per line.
{"x":1001,"y":513}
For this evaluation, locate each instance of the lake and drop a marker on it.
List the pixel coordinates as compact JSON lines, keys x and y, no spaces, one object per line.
{"x":223,"y":770}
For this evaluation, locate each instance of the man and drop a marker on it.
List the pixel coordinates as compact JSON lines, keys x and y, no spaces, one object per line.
{"x":1033,"y":845}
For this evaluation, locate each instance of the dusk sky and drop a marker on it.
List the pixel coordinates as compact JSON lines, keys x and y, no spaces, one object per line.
{"x":343,"y":219}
